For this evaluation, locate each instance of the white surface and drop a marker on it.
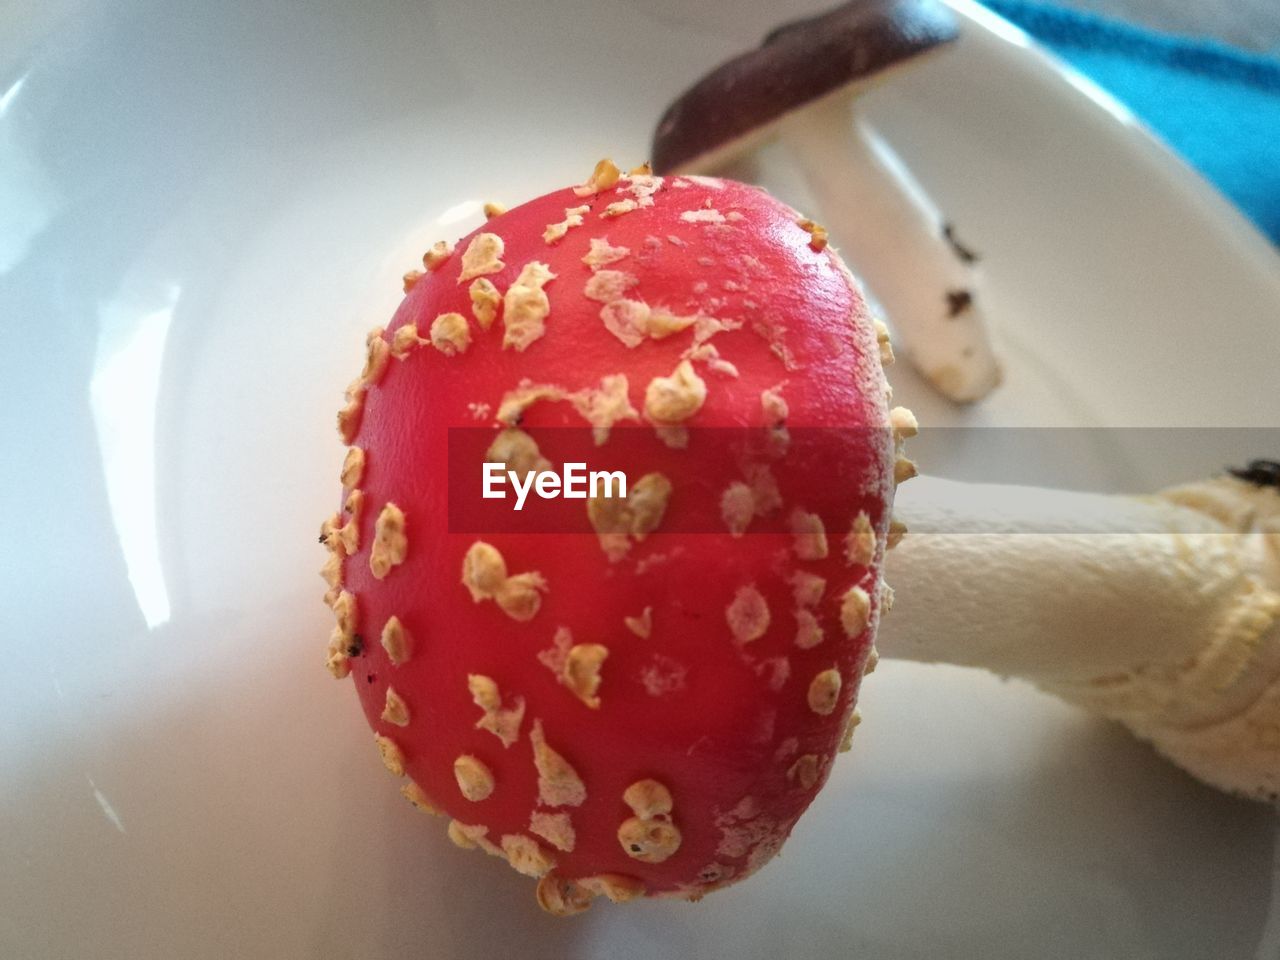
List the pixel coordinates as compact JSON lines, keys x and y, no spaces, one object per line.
{"x":202,"y":208}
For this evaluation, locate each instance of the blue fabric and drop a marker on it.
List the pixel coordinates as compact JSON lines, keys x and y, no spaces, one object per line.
{"x":1219,"y":107}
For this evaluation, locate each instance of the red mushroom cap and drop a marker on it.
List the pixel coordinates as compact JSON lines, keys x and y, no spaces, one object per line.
{"x":646,"y":708}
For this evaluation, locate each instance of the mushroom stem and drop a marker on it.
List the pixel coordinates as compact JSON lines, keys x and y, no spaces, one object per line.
{"x":898,"y":244}
{"x":1160,"y":612}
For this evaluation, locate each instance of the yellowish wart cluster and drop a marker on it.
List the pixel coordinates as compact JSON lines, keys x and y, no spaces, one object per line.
{"x":525,"y":306}
{"x":824,"y":692}
{"x":390,"y":545}
{"x":649,"y":835}
{"x":809,"y":535}
{"x":807,"y":589}
{"x":605,"y":405}
{"x":674,"y":399}
{"x":855,"y":612}
{"x":475,"y":779}
{"x":341,"y":538}
{"x":602,"y":253}
{"x":618,"y":520}
{"x":631,"y":321}
{"x":482,"y":256}
{"x":521,"y":852}
{"x":343,"y":642}
{"x":485,"y":301}
{"x":502,"y":722}
{"x":450,"y":334}
{"x":576,"y":666}
{"x":555,"y":232}
{"x":558,"y":786}
{"x":395,"y":710}
{"x":741,"y":501}
{"x":604,"y":176}
{"x":555,"y":828}
{"x":525,"y":856}
{"x":484,"y":574}
{"x":563,"y":898}
{"x":804,"y":772}
{"x":558,"y":782}
{"x":846,"y":739}
{"x":435,"y":258}
{"x":747,"y":615}
{"x":817,"y":233}
{"x":517,"y":451}
{"x":377,"y":354}
{"x":860,"y":544}
{"x":396,"y":641}
{"x":641,"y":626}
{"x":418,"y":797}
{"x":703,"y":215}
{"x":392,"y":757}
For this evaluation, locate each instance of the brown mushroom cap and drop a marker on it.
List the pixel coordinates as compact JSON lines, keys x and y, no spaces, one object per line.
{"x":798,"y":62}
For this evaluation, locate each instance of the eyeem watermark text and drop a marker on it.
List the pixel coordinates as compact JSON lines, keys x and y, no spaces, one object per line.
{"x":575,"y":482}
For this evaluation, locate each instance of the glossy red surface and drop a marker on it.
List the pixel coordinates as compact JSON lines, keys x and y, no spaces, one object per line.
{"x":737,"y":717}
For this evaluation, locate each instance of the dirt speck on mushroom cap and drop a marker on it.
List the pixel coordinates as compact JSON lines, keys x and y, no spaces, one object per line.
{"x":790,"y":315}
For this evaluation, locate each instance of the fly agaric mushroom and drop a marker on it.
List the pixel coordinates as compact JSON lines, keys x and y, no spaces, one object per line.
{"x":798,"y":88}
{"x":638,"y":710}
{"x":632,"y":710}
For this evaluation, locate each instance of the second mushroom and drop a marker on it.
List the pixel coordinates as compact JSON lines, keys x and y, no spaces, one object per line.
{"x":801,"y":88}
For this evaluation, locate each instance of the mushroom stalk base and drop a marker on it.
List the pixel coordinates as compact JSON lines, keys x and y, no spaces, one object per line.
{"x":1161,"y":612}
{"x":897,"y":242}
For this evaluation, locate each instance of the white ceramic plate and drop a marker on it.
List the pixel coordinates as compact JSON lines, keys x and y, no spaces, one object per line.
{"x":202,"y":208}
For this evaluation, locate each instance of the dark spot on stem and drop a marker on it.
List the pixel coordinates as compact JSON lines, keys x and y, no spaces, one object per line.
{"x":963,"y":253}
{"x":356,"y":646}
{"x":958,"y":301}
{"x":1261,"y":473}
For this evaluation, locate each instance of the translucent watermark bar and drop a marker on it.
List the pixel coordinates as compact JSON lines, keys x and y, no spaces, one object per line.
{"x":539,"y":479}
